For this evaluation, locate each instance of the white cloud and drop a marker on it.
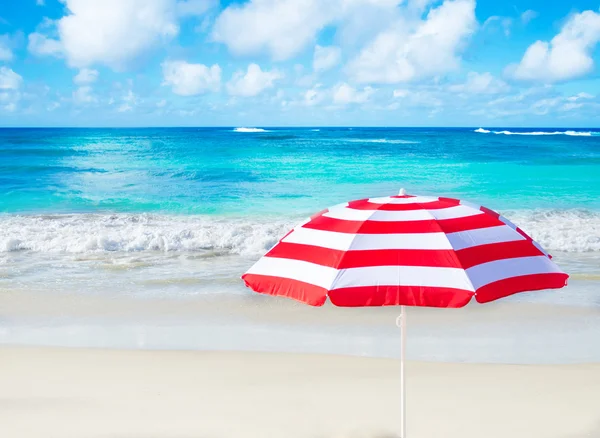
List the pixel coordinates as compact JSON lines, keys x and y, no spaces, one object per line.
{"x":344,"y":94}
{"x":6,"y":53}
{"x":314,"y":96}
{"x":326,"y":58}
{"x":83,"y":95}
{"x":253,"y":82}
{"x":480,"y":83}
{"x":415,"y":49}
{"x":41,"y":45}
{"x":528,"y":15}
{"x":161,"y":103}
{"x":40,"y":2}
{"x":570,"y":106}
{"x":9,"y":107}
{"x":281,"y":28}
{"x":129,"y":101}
{"x":400,"y":93}
{"x":580,"y":96}
{"x":567,"y":56}
{"x":113,"y":32}
{"x":188,"y":79}
{"x":86,"y":76}
{"x":496,"y":22}
{"x":9,"y":80}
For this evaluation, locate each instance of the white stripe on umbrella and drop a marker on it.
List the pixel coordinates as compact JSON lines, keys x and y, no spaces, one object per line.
{"x":402,"y":250}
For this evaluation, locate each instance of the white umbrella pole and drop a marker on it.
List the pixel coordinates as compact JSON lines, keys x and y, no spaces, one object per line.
{"x":402,"y":386}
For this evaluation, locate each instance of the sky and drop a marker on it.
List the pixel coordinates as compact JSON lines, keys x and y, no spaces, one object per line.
{"x":484,"y":63}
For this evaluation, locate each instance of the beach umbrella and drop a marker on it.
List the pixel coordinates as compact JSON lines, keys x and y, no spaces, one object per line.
{"x":407,"y":251}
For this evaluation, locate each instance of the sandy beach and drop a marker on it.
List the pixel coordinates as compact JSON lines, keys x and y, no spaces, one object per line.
{"x":53,"y":392}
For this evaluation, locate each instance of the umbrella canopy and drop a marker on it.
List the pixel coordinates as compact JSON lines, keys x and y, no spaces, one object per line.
{"x":404,"y":250}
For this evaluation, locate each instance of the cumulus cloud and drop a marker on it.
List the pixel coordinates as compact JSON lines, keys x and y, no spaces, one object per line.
{"x":283,"y":28}
{"x":9,"y":80}
{"x":480,"y":83}
{"x":279,"y":27}
{"x":344,"y":94}
{"x":86,"y":76}
{"x":326,"y":58}
{"x":568,"y":55}
{"x":411,"y":50}
{"x":253,"y":82}
{"x":41,"y":45}
{"x":112,"y":32}
{"x":188,"y":79}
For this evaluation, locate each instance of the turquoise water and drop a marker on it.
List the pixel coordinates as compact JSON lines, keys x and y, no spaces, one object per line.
{"x":186,"y":211}
{"x":221,"y":171}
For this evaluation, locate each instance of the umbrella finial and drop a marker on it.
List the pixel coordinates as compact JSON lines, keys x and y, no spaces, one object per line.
{"x":402,"y":192}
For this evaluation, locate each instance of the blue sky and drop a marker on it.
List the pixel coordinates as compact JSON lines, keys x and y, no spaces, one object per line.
{"x":299,"y":62}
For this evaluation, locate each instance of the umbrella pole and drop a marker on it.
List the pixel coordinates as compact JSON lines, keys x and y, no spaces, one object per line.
{"x":402,"y":386}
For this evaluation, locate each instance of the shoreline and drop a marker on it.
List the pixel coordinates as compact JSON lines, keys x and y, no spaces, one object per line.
{"x":503,"y":332}
{"x":82,"y":393}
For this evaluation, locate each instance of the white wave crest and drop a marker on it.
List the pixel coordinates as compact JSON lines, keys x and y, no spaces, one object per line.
{"x":249,"y":130}
{"x":569,"y":133}
{"x":560,"y":230}
{"x":555,"y":230}
{"x":89,"y":233}
{"x":381,"y":140}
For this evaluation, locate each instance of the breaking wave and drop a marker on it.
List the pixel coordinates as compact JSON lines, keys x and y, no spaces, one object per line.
{"x":569,"y":133}
{"x":381,"y":140}
{"x":89,"y":233}
{"x":560,"y":230}
{"x":556,"y":230}
{"x":249,"y":130}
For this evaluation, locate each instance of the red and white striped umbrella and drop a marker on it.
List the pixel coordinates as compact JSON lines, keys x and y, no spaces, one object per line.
{"x":404,"y":250}
{"x":408,"y":251}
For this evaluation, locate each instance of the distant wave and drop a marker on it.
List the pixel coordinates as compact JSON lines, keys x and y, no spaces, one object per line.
{"x":250,"y":130}
{"x":381,"y":140}
{"x":555,"y":230}
{"x":570,"y":133}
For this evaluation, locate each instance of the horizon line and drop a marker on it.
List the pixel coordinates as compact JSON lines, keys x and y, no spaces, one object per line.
{"x":298,"y":127}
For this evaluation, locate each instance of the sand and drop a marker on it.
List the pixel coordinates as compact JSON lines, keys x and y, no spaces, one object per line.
{"x":80,"y":393}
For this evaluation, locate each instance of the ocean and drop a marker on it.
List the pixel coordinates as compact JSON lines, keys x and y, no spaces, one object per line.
{"x":181,"y":213}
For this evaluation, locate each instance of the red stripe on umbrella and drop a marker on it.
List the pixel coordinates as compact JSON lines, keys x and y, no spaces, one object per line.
{"x":404,"y":250}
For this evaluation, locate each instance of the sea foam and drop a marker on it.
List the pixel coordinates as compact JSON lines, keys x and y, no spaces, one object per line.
{"x":381,"y":140}
{"x":249,"y":130}
{"x":569,"y":133}
{"x":89,"y":233}
{"x":555,"y":230}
